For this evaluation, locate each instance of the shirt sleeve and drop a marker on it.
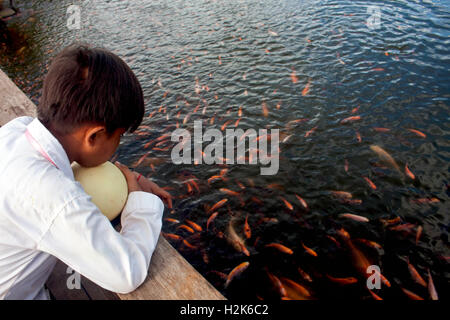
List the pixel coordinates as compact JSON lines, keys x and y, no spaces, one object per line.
{"x":84,"y":239}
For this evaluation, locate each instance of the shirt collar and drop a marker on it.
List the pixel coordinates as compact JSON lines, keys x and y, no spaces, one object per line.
{"x":51,"y":146}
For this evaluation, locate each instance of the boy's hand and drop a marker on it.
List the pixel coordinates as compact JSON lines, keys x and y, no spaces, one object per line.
{"x":149,"y":186}
{"x":133,"y":184}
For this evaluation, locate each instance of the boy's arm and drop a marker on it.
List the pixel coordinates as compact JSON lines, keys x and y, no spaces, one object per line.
{"x":83,"y":238}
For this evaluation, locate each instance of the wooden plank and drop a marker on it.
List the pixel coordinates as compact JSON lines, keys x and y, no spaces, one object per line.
{"x":13,"y":102}
{"x":171,"y":277}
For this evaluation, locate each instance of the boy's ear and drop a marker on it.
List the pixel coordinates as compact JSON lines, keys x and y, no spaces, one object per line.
{"x":94,"y":134}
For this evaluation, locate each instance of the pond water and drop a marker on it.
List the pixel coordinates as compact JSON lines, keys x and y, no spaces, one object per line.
{"x":345,"y":82}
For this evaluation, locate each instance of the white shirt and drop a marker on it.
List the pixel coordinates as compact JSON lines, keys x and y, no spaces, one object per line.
{"x":46,"y":215}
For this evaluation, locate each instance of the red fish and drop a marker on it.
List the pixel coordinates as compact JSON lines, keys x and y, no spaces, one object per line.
{"x":236,"y":271}
{"x":280,"y":247}
{"x":418,"y":133}
{"x":303,"y":202}
{"x":265,"y":110}
{"x":381,"y":129}
{"x":309,"y":250}
{"x":344,"y":281}
{"x":354,"y":217}
{"x":352,"y":118}
{"x":218,"y":205}
{"x":307,"y":134}
{"x":412,"y":295}
{"x":409,"y":173}
{"x":358,"y":136}
{"x":211,"y":218}
{"x":294,"y":290}
{"x":431,"y":288}
{"x":172,"y":236}
{"x":418,"y":234}
{"x":247,"y":230}
{"x":194,"y":225}
{"x":294,"y":77}
{"x":229,"y":192}
{"x":370,"y":183}
{"x":277,"y":284}
{"x":187,"y":244}
{"x":415,"y":275}
{"x":287,"y":204}
{"x":185,"y":227}
{"x":306,"y":89}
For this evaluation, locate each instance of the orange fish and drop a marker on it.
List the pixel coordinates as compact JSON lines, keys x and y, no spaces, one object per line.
{"x":412,"y":295}
{"x":294,"y":290}
{"x":346,"y":165}
{"x":409,"y":173}
{"x":344,"y":281}
{"x":211,"y":218}
{"x":374,"y":295}
{"x":218,"y":205}
{"x":342,"y":194}
{"x":418,"y":234}
{"x":185,"y":227}
{"x":354,"y":217}
{"x":381,"y":129}
{"x":377,"y":69}
{"x":280,"y":247}
{"x":294,"y":77}
{"x":247,"y":230}
{"x":236,"y":271}
{"x":137,"y":163}
{"x":352,"y":118}
{"x":370,"y":183}
{"x":304,"y":275}
{"x":307,"y":134}
{"x":369,"y":243}
{"x":171,"y":220}
{"x":431,"y":288}
{"x":187,"y":244}
{"x":354,"y":110}
{"x":309,"y":250}
{"x":415,"y":275}
{"x":229,"y":192}
{"x":303,"y":202}
{"x":417,"y":132}
{"x":358,"y":136}
{"x":194,"y":225}
{"x":214,"y":178}
{"x":426,"y":200}
{"x":306,"y":89}
{"x":225,"y":125}
{"x":265,"y":110}
{"x":277,"y":284}
{"x":172,"y":236}
{"x":287,"y":204}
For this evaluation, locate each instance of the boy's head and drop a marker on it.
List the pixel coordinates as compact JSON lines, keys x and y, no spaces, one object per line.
{"x":89,"y":98}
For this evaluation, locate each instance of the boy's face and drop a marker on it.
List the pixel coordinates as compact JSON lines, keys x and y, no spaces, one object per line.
{"x":99,"y":147}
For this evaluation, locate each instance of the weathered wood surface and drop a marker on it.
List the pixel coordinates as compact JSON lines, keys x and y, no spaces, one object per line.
{"x":13,"y":102}
{"x":170,"y":276}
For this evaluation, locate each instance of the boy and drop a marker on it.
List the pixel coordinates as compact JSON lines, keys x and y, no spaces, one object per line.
{"x":90,"y":97}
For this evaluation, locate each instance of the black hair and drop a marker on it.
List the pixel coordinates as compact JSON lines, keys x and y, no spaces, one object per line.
{"x":85,"y":84}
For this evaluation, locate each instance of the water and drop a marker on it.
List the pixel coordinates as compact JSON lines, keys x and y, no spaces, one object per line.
{"x":241,"y":54}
